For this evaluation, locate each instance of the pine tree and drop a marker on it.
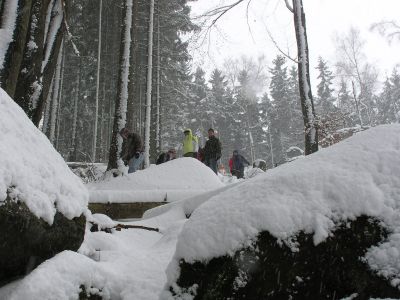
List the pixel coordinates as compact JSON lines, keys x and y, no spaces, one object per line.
{"x":389,"y":100}
{"x":346,"y":105}
{"x":325,"y":99}
{"x":280,"y":111}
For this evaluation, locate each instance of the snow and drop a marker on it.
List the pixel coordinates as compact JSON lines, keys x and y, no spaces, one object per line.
{"x":171,"y":181}
{"x":303,"y":195}
{"x":359,"y":176}
{"x":128,"y":264}
{"x":39,"y":176}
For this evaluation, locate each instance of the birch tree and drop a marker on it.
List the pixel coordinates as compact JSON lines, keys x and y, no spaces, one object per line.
{"x":352,"y":65}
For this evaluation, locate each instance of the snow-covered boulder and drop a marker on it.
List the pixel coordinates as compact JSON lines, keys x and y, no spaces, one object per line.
{"x":323,"y":227}
{"x":42,"y":203}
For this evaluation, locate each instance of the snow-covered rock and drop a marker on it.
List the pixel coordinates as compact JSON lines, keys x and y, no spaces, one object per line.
{"x":174,"y":180}
{"x":32,"y":171}
{"x":42,"y":203}
{"x":315,"y":197}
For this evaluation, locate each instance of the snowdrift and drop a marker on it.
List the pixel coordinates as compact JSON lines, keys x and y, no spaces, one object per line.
{"x":174,"y":180}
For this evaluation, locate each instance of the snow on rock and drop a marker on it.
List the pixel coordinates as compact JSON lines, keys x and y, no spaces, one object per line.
{"x":128,"y":264}
{"x":174,"y":180}
{"x":32,"y":171}
{"x":102,"y":221}
{"x":359,"y":176}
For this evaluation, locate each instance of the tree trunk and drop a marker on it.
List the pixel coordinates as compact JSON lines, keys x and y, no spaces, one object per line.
{"x":97,"y":84}
{"x":29,"y":83}
{"x":55,"y":98}
{"x":73,"y":153}
{"x":16,"y":15}
{"x":114,"y":161}
{"x":307,"y":105}
{"x":52,"y":44}
{"x":149,"y":86}
{"x":46,"y":114}
{"x":132,"y":104}
{"x":158,"y":132}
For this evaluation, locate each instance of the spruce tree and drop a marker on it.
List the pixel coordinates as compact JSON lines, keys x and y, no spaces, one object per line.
{"x":325,"y":99}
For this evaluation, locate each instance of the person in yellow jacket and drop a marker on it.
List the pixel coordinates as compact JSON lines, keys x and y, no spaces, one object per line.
{"x":190,"y":144}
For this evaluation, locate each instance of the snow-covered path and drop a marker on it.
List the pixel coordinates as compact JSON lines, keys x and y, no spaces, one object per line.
{"x":130,"y":265}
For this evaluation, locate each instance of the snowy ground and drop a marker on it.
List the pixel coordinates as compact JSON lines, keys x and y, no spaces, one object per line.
{"x":128,"y":264}
{"x":359,"y":175}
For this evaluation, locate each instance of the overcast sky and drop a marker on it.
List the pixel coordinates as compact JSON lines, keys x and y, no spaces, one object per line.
{"x":324,"y":18}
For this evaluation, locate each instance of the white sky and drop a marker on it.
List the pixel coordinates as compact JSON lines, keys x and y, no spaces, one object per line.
{"x":324,"y":20}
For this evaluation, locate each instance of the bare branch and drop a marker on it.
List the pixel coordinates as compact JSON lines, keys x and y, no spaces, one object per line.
{"x":389,"y":29}
{"x":279,"y":48}
{"x":220,"y":11}
{"x":247,"y":19}
{"x":289,"y":7}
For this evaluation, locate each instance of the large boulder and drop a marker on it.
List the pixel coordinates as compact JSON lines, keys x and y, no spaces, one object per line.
{"x":270,"y":269}
{"x":43,"y":205}
{"x":323,"y":227}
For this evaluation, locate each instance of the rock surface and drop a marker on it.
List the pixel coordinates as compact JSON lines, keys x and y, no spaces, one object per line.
{"x":26,"y":240}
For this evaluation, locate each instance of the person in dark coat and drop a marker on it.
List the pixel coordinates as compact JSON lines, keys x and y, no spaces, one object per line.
{"x":132,"y":150}
{"x":166,"y":156}
{"x":212,"y":151}
{"x":237,"y":164}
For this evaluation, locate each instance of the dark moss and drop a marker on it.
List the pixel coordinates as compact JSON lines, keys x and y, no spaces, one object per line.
{"x":271,"y":270}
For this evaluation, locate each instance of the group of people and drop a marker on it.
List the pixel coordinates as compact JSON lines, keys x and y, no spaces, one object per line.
{"x":132,"y":152}
{"x":211,"y":152}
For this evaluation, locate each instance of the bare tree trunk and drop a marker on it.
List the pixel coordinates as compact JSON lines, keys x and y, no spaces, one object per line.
{"x":52,"y":44}
{"x":114,"y":161}
{"x":29,"y":83}
{"x":132,"y":104}
{"x":15,"y":23}
{"x":158,"y":133}
{"x":356,"y":102}
{"x":60,"y":95}
{"x":72,"y":156}
{"x":149,"y":86}
{"x":46,"y":115}
{"x":55,"y":98}
{"x":307,"y":104}
{"x":97,"y":85}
